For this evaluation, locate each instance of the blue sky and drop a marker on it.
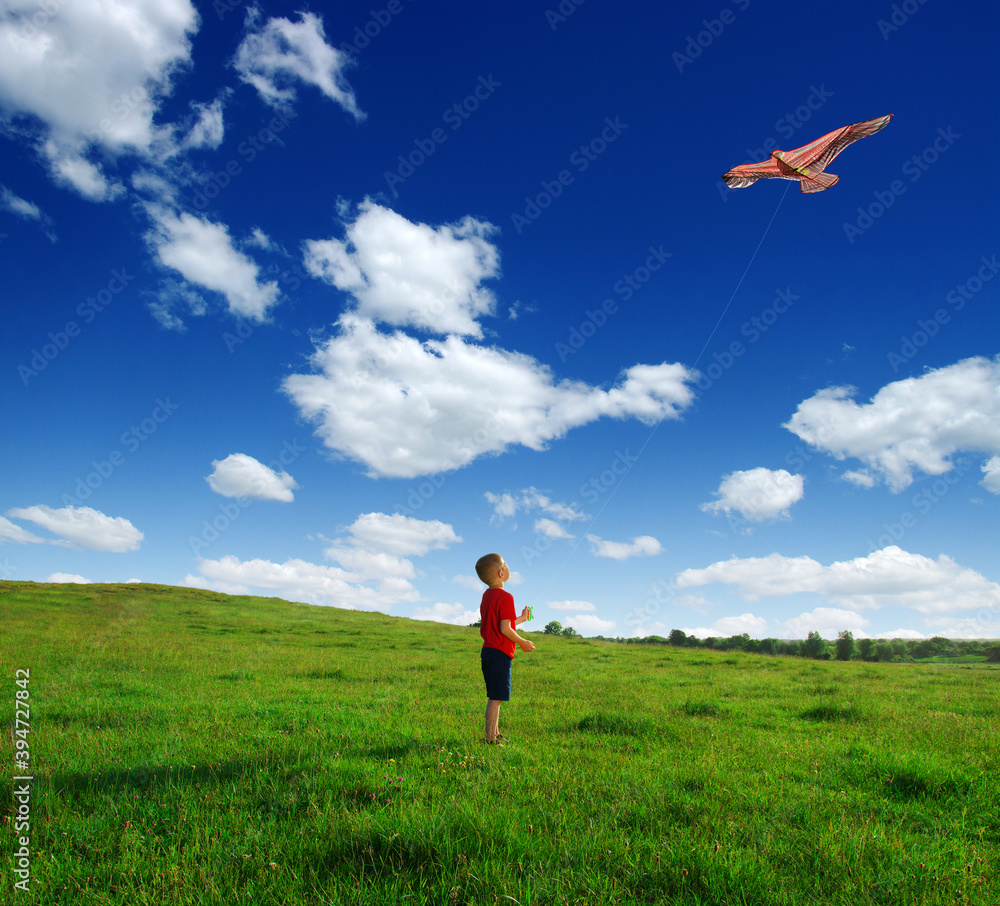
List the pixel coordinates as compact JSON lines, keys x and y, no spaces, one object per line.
{"x":326,"y":301}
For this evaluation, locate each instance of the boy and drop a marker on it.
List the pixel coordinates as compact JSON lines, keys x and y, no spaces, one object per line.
{"x":497,"y":626}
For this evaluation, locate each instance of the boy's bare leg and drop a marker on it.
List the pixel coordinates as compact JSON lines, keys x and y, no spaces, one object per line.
{"x":492,"y":720}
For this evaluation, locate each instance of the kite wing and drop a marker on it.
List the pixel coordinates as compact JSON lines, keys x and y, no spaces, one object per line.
{"x":747,"y":174}
{"x":818,"y":154}
{"x":807,"y":164}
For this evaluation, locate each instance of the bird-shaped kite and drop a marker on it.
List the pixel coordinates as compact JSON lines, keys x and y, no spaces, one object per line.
{"x":806,"y":164}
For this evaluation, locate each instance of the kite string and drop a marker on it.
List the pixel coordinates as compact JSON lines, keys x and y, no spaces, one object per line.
{"x":738,"y":285}
{"x":642,"y":449}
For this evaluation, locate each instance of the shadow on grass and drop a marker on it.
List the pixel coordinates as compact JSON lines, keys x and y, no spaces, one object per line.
{"x":104,"y":719}
{"x":906,"y":779}
{"x":702,"y":709}
{"x":237,"y":676}
{"x":830,"y":713}
{"x":384,"y":753}
{"x":334,"y":673}
{"x":405,"y":858}
{"x":79,"y":787}
{"x":122,"y":780}
{"x":908,"y":783}
{"x":634,"y":726}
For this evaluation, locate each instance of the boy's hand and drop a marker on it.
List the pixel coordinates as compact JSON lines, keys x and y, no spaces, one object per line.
{"x":525,"y":615}
{"x":526,"y":645}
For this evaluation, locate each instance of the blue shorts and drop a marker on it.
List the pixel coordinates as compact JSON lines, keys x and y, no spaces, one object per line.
{"x":496,"y":672}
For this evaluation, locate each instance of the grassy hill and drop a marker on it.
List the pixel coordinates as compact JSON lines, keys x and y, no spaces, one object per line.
{"x":194,"y":747}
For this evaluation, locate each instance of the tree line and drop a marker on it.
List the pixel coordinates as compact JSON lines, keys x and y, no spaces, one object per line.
{"x":844,"y":648}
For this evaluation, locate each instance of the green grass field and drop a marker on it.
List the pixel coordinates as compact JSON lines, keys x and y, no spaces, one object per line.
{"x":192,"y":747}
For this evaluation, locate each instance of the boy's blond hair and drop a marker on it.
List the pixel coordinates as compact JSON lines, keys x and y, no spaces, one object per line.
{"x":487,"y":565}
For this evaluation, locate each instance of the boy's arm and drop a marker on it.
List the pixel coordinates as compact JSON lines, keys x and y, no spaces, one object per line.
{"x":510,"y":632}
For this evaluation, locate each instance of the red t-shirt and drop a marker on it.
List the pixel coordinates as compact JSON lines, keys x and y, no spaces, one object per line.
{"x":497,"y":605}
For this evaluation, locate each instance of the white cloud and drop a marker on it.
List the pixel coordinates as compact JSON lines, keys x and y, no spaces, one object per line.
{"x":469,"y":581}
{"x":551,"y":529}
{"x":528,"y":499}
{"x":299,"y":580}
{"x":571,"y":605}
{"x":367,"y":564}
{"x":861,"y":477}
{"x":71,"y":169}
{"x":281,"y":52}
{"x":504,"y":505}
{"x":985,"y":625}
{"x":83,"y":527}
{"x":379,"y":544}
{"x":406,"y":408}
{"x":697,"y":603}
{"x":203,"y":253}
{"x":91,"y":75}
{"x":757,"y":494}
{"x":17,"y":205}
{"x":403,"y":535}
{"x":455,"y":614}
{"x":758,"y":577}
{"x":588,"y":624}
{"x":827,"y":621}
{"x":912,"y":424}
{"x":411,"y":274}
{"x":208,"y":128}
{"x":260,"y":239}
{"x":176,"y":296}
{"x":643,"y":546}
{"x":68,"y":578}
{"x":899,"y":634}
{"x":888,"y":577}
{"x":11,"y":532}
{"x":991,"y":469}
{"x":726,"y":627}
{"x":239,"y":475}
